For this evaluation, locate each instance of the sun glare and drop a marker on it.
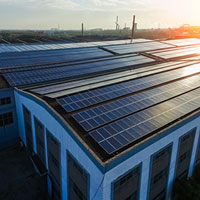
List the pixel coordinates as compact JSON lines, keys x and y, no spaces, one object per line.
{"x":191,"y":70}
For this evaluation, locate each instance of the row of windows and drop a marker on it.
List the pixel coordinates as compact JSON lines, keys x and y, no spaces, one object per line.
{"x":5,"y":101}
{"x":127,"y":186}
{"x":77,"y":179}
{"x":160,"y":163}
{"x":6,"y":119}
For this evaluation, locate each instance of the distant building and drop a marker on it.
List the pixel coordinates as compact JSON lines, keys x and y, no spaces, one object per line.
{"x":126,"y":28}
{"x":106,"y":123}
{"x":96,"y":29}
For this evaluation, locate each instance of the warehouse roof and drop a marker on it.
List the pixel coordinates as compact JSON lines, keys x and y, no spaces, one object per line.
{"x":113,"y":94}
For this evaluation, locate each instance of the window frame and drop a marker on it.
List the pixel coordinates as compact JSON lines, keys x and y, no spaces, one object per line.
{"x":139,"y":166}
{"x":84,"y":171}
{"x":6,"y":119}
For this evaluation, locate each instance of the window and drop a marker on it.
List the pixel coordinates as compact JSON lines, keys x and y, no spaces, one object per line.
{"x":54,"y":160}
{"x":184,"y":154}
{"x":52,"y":138}
{"x":160,"y":163}
{"x":4,"y":101}
{"x":182,"y":157}
{"x":6,"y":118}
{"x":78,"y":180}
{"x":127,"y":187}
{"x":160,"y":175}
{"x":186,"y":137}
{"x":160,"y":196}
{"x":78,"y":168}
{"x":132,"y":196}
{"x":28,"y":129}
{"x":162,"y":155}
{"x":54,"y":163}
{"x":40,"y":140}
{"x":125,"y":179}
{"x":78,"y":192}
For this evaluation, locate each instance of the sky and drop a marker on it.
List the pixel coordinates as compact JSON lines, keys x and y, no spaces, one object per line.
{"x":69,"y":14}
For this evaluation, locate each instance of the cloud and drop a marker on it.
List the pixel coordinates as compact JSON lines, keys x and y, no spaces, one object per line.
{"x":60,"y":4}
{"x":118,"y":4}
{"x":106,"y":5}
{"x":92,"y":5}
{"x":54,"y":4}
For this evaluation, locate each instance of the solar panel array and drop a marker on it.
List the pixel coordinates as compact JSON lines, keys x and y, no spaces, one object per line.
{"x":115,"y":100}
{"x":24,"y":76}
{"x":50,"y":56}
{"x":67,"y":88}
{"x":23,"y":55}
{"x":120,"y":114}
{"x":92,"y":97}
{"x":5,"y":48}
{"x":97,"y":116}
{"x":178,"y":52}
{"x":133,"y":48}
{"x":120,"y":133}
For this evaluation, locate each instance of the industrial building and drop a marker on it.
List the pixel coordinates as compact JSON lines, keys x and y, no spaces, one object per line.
{"x":112,"y":120}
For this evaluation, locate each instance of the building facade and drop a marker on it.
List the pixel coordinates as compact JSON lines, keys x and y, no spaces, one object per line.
{"x":147,"y":172}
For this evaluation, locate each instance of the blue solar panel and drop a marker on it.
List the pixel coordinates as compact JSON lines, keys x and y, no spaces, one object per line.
{"x":92,"y":118}
{"x":49,"y":56}
{"x":92,"y":97}
{"x":114,"y":137}
{"x":5,"y":48}
{"x":16,"y":78}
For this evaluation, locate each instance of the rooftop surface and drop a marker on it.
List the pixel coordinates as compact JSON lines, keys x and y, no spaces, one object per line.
{"x":113,"y":94}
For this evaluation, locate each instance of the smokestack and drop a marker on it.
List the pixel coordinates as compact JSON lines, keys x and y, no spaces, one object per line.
{"x":117,"y":25}
{"x":82,"y":29}
{"x":133,"y":28}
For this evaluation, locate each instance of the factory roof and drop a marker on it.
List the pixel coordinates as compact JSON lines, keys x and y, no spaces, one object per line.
{"x":113,"y":94}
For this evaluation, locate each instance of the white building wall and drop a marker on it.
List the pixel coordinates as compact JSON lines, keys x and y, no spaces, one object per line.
{"x":100,"y":185}
{"x":67,"y":143}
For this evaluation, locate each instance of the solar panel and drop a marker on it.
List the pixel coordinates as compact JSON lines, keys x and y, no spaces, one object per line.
{"x":49,"y":46}
{"x":50,"y":52}
{"x":193,"y":58}
{"x":140,"y":47}
{"x":182,"y":42}
{"x":120,"y":133}
{"x":38,"y":57}
{"x":62,"y":89}
{"x":100,"y":115}
{"x":92,"y":97}
{"x":49,"y":74}
{"x":178,"y":52}
{"x":60,"y":64}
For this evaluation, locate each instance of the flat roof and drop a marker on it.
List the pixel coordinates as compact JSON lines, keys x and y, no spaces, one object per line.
{"x":116,"y":94}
